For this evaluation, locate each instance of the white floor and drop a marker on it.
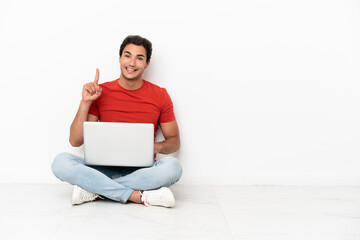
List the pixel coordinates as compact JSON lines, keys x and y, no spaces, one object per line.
{"x":202,"y":212}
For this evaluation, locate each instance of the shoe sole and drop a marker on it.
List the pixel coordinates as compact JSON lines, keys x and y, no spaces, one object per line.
{"x":75,"y":193}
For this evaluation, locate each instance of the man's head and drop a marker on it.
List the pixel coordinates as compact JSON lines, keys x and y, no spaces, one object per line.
{"x":135,"y":54}
{"x":139,"y":41}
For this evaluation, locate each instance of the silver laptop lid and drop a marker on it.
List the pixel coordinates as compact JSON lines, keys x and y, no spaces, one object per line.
{"x":119,"y":144}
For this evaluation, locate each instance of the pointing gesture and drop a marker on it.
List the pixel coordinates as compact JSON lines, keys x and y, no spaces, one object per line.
{"x":96,"y":80}
{"x":91,"y":90}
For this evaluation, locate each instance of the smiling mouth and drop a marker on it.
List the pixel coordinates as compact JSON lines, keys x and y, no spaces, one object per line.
{"x":130,"y":70}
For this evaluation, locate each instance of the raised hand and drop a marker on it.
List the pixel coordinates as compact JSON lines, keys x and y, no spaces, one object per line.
{"x":91,"y":90}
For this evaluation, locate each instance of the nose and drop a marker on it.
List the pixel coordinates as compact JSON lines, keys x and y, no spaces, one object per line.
{"x":132,"y":62}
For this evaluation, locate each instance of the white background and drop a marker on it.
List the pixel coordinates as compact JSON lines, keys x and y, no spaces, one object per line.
{"x":265,"y":92}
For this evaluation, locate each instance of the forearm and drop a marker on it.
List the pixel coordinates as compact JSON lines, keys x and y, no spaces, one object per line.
{"x":76,"y":130}
{"x":170,"y":145}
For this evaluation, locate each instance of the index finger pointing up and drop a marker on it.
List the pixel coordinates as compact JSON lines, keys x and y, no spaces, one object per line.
{"x":96,"y":80}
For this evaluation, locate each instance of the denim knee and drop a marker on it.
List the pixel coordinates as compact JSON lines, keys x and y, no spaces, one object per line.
{"x":173,"y":169}
{"x":61,"y":165}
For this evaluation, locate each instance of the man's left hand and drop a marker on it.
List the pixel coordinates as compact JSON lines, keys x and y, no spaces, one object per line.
{"x":157,"y":147}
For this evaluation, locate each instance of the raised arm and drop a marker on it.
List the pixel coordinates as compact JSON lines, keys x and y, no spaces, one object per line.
{"x":90,"y":92}
{"x":171,"y":134}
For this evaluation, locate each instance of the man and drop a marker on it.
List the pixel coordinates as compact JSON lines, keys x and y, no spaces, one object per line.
{"x":126,"y":99}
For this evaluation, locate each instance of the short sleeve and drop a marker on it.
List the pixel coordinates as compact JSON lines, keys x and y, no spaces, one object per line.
{"x":167,"y":109}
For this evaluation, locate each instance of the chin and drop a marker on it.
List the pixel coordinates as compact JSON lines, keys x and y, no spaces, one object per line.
{"x":132,"y":78}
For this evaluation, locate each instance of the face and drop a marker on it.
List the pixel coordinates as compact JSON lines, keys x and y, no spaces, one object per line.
{"x":133,"y":62}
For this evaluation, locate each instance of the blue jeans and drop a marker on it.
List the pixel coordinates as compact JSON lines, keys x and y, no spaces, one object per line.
{"x":116,"y":183}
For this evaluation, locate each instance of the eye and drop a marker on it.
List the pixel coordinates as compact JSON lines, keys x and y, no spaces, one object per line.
{"x":127,"y":56}
{"x":140,"y":58}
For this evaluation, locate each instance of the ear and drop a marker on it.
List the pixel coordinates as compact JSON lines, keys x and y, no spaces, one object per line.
{"x":119,"y":58}
{"x":147,"y":64}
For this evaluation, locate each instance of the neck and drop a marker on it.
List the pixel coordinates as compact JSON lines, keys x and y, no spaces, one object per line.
{"x":133,"y":84}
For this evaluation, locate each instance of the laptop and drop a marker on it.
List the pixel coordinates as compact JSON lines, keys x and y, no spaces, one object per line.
{"x":119,"y":144}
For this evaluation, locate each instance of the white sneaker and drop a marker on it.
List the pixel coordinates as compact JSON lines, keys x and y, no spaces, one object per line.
{"x":80,"y":196}
{"x":160,"y":197}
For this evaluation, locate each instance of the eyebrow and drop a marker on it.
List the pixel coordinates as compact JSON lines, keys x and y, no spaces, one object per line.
{"x":139,"y":55}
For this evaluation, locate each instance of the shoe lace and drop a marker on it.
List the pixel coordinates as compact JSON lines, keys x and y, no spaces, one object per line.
{"x":153,"y":199}
{"x":88,"y":196}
